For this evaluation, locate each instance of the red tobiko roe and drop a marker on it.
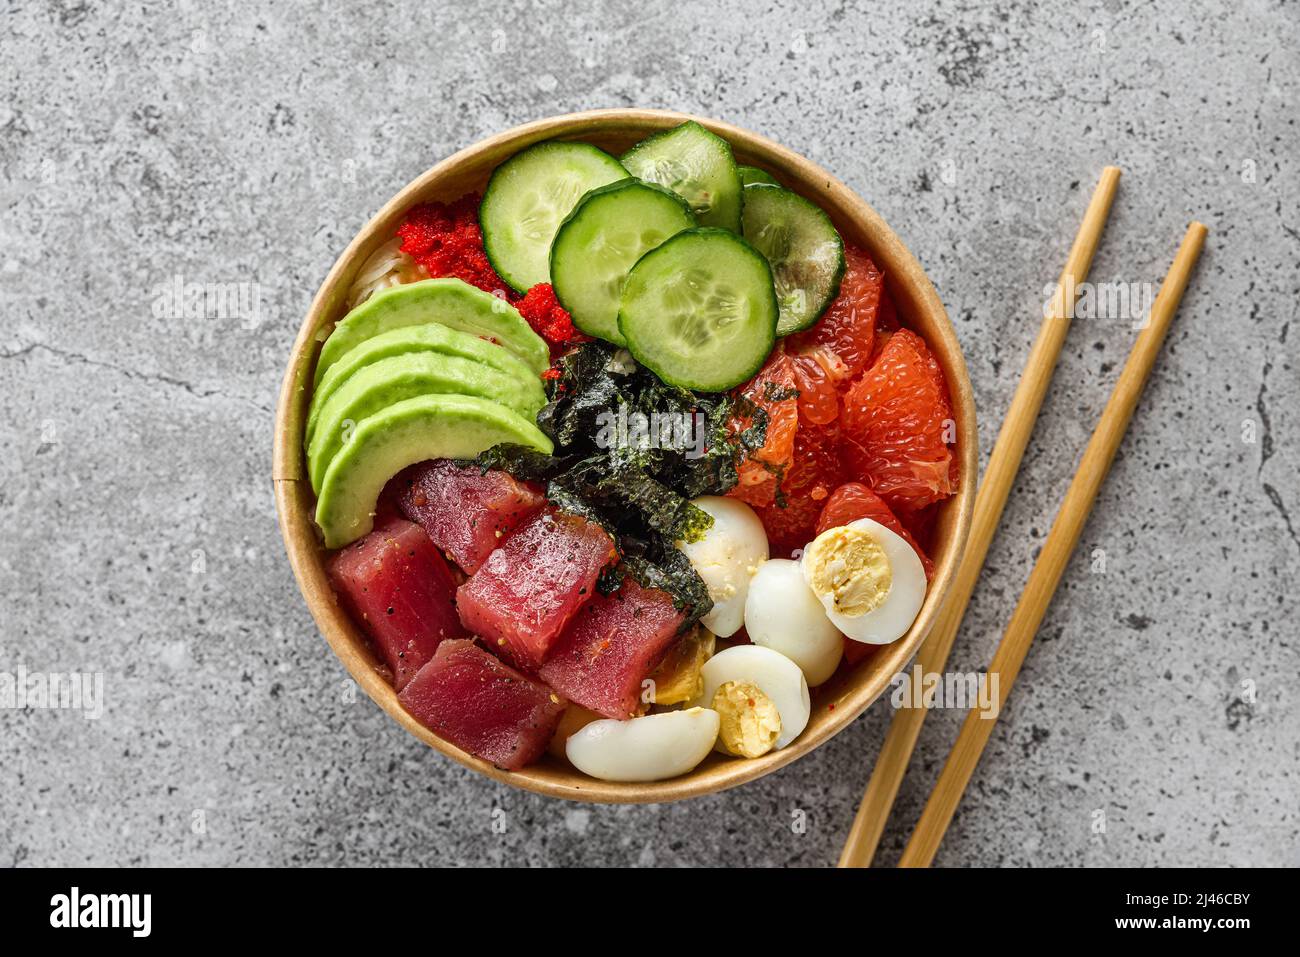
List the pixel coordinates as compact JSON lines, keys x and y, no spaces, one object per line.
{"x":548,"y":318}
{"x":446,"y":240}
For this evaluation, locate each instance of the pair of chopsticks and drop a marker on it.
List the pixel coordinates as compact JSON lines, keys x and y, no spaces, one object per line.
{"x":990,"y":500}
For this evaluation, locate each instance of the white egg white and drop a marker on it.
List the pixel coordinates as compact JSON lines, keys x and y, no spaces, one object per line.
{"x":649,"y":748}
{"x":890,"y":620}
{"x":726,"y":557}
{"x":775,"y":675}
{"x":783,"y":614}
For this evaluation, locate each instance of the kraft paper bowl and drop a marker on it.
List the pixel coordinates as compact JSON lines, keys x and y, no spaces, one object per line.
{"x":836,"y":703}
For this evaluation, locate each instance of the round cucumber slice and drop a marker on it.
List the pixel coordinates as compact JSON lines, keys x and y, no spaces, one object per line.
{"x":528,"y":197}
{"x":696,"y":165}
{"x":752,"y":174}
{"x":599,"y":243}
{"x":803,"y":248}
{"x":699,"y":311}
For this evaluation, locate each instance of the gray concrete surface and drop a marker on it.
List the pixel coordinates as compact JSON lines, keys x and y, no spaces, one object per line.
{"x":225,"y":142}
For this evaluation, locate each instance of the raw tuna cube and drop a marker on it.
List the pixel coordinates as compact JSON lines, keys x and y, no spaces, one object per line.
{"x":610,"y":646}
{"x":465,"y":513}
{"x":401,"y":592}
{"x":483,"y":706}
{"x":530,"y":587}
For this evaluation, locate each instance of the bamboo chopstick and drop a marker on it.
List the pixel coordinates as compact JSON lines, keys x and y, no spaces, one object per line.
{"x":1060,"y":543}
{"x":991,"y":499}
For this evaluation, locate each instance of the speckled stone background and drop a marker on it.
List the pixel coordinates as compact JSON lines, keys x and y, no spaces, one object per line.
{"x":143,"y":145}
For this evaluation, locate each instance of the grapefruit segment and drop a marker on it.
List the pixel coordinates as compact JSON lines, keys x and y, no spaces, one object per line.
{"x":773,"y":391}
{"x":815,"y":471}
{"x":844,"y":337}
{"x":830,"y":354}
{"x":897,"y":421}
{"x":817,"y":375}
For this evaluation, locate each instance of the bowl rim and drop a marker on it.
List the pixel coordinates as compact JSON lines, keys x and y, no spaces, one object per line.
{"x":295,"y":502}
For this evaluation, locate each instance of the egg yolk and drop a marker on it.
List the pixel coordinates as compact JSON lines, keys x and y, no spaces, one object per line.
{"x":850,"y":566}
{"x":750,"y":721}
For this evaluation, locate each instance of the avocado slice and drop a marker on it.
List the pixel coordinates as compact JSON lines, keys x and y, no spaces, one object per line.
{"x":414,"y":430}
{"x":430,"y":337}
{"x":449,"y":302}
{"x":392,"y":380}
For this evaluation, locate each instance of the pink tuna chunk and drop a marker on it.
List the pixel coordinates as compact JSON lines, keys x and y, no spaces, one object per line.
{"x":465,"y":513}
{"x":530,"y":587}
{"x":483,"y":706}
{"x":401,"y":592}
{"x":610,"y":646}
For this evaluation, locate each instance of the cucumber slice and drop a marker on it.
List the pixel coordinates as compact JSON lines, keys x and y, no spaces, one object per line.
{"x":700,"y":311}
{"x":803,"y":248}
{"x":597,"y":246}
{"x":528,"y":197}
{"x":752,"y":174}
{"x":696,"y":165}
